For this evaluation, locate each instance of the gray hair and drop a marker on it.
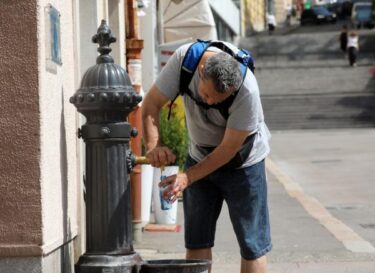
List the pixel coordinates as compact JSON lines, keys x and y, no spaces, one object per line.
{"x":224,"y":71}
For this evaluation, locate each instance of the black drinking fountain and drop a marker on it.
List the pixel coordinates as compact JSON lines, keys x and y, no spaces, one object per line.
{"x":105,"y":98}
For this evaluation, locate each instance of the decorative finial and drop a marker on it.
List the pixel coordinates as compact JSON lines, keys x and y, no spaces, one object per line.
{"x":104,"y":38}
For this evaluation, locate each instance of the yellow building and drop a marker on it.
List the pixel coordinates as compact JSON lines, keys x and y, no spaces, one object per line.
{"x":253,"y":14}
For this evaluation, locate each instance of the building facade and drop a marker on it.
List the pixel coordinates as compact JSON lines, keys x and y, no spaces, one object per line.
{"x":46,"y":47}
{"x":253,"y":14}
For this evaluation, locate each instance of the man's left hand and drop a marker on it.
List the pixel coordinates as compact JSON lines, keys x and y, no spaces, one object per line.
{"x":174,"y":186}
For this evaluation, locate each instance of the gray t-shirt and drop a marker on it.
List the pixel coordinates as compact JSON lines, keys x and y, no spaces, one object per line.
{"x":206,"y":127}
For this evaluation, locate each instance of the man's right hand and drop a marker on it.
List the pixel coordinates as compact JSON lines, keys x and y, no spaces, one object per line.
{"x":160,"y":156}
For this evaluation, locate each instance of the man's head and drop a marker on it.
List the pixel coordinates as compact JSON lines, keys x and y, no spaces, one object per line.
{"x":219,"y":76}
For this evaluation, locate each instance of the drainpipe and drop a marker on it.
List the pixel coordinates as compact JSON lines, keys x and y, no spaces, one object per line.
{"x":134,"y":47}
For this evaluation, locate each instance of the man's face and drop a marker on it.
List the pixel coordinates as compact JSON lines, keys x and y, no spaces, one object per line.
{"x":208,"y":93}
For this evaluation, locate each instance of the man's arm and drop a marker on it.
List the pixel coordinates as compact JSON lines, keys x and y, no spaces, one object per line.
{"x":222,"y":154}
{"x":151,"y":107}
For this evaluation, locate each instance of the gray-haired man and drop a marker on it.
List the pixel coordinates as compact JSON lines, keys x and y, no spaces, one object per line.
{"x":210,"y":176}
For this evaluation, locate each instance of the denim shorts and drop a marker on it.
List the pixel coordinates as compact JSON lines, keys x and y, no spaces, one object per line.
{"x":245,"y":192}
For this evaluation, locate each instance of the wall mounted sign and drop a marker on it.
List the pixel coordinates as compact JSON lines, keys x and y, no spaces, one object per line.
{"x":53,"y":38}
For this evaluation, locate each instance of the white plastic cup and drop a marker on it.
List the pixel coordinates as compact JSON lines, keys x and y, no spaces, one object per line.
{"x":167,"y":216}
{"x":164,"y":203}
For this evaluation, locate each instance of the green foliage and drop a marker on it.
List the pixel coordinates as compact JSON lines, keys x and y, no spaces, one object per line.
{"x":173,"y":134}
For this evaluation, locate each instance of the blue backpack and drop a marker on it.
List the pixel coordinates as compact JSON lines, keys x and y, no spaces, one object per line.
{"x":191,"y":61}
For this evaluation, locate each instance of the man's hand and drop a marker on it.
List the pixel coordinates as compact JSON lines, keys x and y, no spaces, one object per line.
{"x":160,"y":156}
{"x":175,"y":185}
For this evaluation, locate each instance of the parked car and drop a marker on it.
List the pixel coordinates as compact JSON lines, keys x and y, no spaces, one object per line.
{"x":342,"y":8}
{"x":362,"y":15}
{"x":317,"y":15}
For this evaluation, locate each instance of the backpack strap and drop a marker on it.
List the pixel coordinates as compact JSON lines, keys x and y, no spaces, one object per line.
{"x":244,"y":57}
{"x":189,"y":65}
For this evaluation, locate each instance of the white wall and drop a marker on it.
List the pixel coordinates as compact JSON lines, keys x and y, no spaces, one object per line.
{"x":61,"y":150}
{"x":148,"y":32}
{"x":86,"y":22}
{"x":58,"y":162}
{"x":228,"y":12}
{"x":58,"y":159}
{"x":117,"y":24}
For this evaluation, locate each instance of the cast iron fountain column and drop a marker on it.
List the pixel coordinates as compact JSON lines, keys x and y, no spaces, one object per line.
{"x":105,"y":98}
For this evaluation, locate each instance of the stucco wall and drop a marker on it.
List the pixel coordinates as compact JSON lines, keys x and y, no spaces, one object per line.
{"x":38,"y":163}
{"x":58,"y":162}
{"x":20,"y":199}
{"x":39,"y":176}
{"x":148,"y":32}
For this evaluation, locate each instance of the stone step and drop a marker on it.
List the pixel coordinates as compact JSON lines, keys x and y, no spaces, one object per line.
{"x":313,"y":60}
{"x":309,"y":81}
{"x":324,"y":111}
{"x":303,"y":44}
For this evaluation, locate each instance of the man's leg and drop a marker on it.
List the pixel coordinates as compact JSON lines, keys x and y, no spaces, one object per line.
{"x":246,"y":196}
{"x":254,"y":266}
{"x":202,"y":205}
{"x":203,"y":253}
